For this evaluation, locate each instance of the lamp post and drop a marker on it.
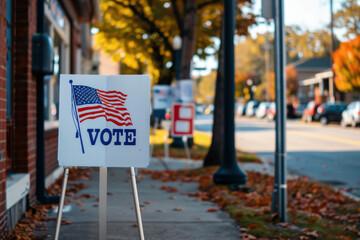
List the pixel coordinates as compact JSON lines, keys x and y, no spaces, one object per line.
{"x":177,"y":44}
{"x":229,"y":171}
{"x":249,"y":82}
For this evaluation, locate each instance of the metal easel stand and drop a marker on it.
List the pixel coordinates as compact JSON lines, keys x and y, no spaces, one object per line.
{"x":136,"y":203}
{"x":102,"y":203}
{"x":61,"y":204}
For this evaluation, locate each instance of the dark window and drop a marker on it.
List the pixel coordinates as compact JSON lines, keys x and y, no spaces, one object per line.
{"x":8,"y":57}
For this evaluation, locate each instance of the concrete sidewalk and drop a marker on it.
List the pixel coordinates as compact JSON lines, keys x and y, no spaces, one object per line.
{"x":165,"y":215}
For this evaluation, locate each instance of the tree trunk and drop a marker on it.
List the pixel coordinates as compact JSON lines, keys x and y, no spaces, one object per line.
{"x":214,"y":155}
{"x":188,"y":38}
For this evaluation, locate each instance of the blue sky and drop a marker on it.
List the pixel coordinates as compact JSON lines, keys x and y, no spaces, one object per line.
{"x":308,"y":14}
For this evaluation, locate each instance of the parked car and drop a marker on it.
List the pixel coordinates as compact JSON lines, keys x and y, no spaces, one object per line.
{"x":309,"y":112}
{"x":290,"y":111}
{"x":271,"y":111}
{"x":262,"y":109}
{"x":239,"y":110}
{"x":351,"y":115}
{"x":299,"y":110}
{"x":251,"y":107}
{"x":209,"y":109}
{"x":329,"y":112}
{"x":199,"y":109}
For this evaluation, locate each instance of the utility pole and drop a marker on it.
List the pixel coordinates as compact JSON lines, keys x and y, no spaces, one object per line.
{"x":332,"y":46}
{"x":275,"y":9}
{"x":280,"y":128}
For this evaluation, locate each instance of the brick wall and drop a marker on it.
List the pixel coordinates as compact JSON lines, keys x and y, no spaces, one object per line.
{"x":51,"y":146}
{"x":24,"y":159}
{"x":2,"y":115}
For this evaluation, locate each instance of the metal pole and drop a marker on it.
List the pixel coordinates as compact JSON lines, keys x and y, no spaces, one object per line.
{"x":280,"y":79}
{"x":276,"y":190}
{"x":102,"y":203}
{"x":177,"y":63}
{"x":166,"y":144}
{"x":186,"y":148}
{"x":136,"y":203}
{"x":154,"y":134}
{"x":61,"y":204}
{"x":229,"y":171}
{"x":178,"y":141}
{"x":41,"y":194}
{"x":332,"y":86}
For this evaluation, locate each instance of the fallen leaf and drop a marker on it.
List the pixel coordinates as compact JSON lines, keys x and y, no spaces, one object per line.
{"x":247,"y":236}
{"x":239,"y":214}
{"x":251,"y":226}
{"x":212,"y":210}
{"x":312,"y":234}
{"x":65,"y":222}
{"x":303,"y":238}
{"x":178,"y":209}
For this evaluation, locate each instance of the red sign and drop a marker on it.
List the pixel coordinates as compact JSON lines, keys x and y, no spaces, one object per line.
{"x":183,"y":119}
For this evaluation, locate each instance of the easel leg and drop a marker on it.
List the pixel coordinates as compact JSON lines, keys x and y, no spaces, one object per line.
{"x":61,"y":204}
{"x":186,"y":147}
{"x":153,"y":133}
{"x":102,"y":203}
{"x":136,"y":202}
{"x":166,"y":144}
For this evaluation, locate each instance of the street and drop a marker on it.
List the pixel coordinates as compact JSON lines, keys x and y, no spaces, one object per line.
{"x":329,"y":154}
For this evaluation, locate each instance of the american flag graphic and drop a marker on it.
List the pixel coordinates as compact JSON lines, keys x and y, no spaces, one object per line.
{"x":93,"y":103}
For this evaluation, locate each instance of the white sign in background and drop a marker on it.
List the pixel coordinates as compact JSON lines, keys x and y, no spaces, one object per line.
{"x":186,"y":90}
{"x":102,"y":142}
{"x":162,"y":97}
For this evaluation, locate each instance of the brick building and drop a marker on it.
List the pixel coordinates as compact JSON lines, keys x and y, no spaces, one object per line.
{"x":68,"y":24}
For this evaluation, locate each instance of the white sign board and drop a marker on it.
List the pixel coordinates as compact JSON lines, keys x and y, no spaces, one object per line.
{"x":104,"y":120}
{"x":162,"y":98}
{"x":186,"y":90}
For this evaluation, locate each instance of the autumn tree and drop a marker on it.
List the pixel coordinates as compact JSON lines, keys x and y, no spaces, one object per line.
{"x":143,"y":30}
{"x":348,"y":17}
{"x":251,"y":58}
{"x":346,"y":66}
{"x":307,"y":44}
{"x":266,"y":90}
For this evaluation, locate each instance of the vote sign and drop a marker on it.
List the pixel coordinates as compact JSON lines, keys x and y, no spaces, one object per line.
{"x":183,"y":119}
{"x":161,"y":100}
{"x":104,"y":120}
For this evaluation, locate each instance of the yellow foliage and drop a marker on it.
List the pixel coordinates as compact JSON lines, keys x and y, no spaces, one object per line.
{"x":116,"y":57}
